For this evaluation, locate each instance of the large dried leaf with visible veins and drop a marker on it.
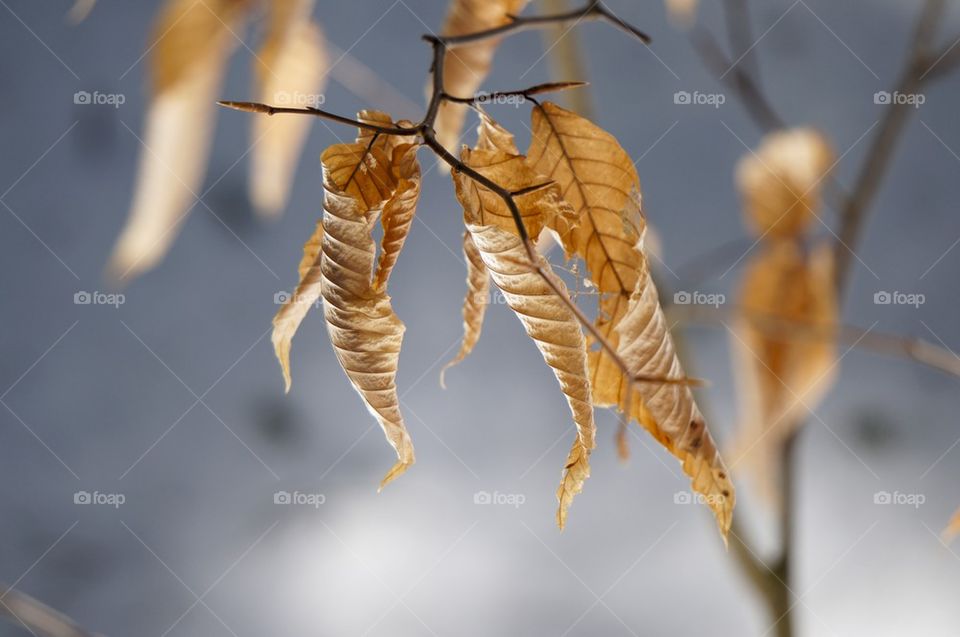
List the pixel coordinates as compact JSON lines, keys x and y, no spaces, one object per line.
{"x":784,"y":351}
{"x":474,"y":304}
{"x":365,"y":332}
{"x":598,"y":179}
{"x":545,"y":317}
{"x":465,"y":67}
{"x":360,"y":181}
{"x":780,"y":183}
{"x":192,"y":41}
{"x":290,"y":70}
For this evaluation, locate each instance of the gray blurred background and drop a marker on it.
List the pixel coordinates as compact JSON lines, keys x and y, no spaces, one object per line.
{"x":174,"y":399}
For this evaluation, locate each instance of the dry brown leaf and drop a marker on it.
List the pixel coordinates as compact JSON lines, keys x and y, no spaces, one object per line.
{"x":290,"y":70}
{"x":598,"y":179}
{"x":497,"y":158}
{"x":668,"y":411}
{"x":780,"y":375}
{"x":465,"y":68}
{"x":474,"y":304}
{"x":780,"y":183}
{"x":682,"y":13}
{"x":397,"y":217}
{"x":546,"y":319}
{"x":292,"y":313}
{"x":192,"y":43}
{"x":365,"y":332}
{"x":360,"y":181}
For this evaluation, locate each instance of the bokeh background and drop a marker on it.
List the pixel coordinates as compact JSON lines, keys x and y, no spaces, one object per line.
{"x":174,"y":399}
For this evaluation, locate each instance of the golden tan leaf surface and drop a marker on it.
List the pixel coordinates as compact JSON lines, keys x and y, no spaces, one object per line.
{"x":780,"y":371}
{"x":598,"y":179}
{"x":192,"y":43}
{"x":497,"y":158}
{"x":370,"y":181}
{"x":290,"y":70}
{"x":546,"y":319}
{"x":474,"y":304}
{"x":365,"y":332}
{"x":361,"y":180}
{"x":397,"y":217}
{"x":781,"y":182}
{"x":682,"y":13}
{"x":465,"y":68}
{"x":668,"y":411}
{"x":292,"y":313}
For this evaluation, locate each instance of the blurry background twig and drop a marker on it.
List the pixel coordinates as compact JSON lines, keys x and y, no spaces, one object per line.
{"x":740,"y":70}
{"x":37,"y":617}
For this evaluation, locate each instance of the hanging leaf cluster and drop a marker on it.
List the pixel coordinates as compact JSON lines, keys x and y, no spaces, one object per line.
{"x":575,"y":180}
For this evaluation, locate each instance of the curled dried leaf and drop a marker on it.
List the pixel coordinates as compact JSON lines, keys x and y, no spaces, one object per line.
{"x":557,"y":335}
{"x":292,"y":313}
{"x":668,"y":411}
{"x":290,"y":70}
{"x":598,"y":179}
{"x":546,"y":319}
{"x":780,"y":376}
{"x":465,"y":67}
{"x":497,"y":158}
{"x":360,"y":181}
{"x":397,"y":217}
{"x":781,"y":182}
{"x":365,"y":332}
{"x":474,"y":304}
{"x":187,"y":62}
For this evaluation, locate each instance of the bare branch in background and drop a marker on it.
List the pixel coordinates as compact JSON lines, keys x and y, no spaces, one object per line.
{"x":37,"y":617}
